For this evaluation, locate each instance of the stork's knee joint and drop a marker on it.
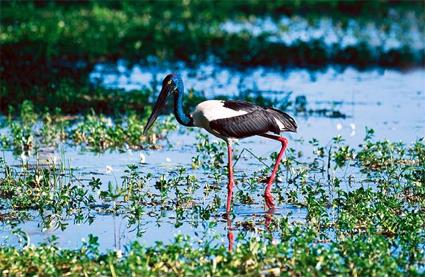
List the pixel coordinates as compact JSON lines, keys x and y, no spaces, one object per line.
{"x":283,"y":140}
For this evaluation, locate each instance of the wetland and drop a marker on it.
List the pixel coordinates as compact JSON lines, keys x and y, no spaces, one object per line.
{"x":84,"y":192}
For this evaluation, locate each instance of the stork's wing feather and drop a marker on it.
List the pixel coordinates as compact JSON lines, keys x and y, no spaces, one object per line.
{"x":287,"y":121}
{"x":255,"y":123}
{"x":237,"y":105}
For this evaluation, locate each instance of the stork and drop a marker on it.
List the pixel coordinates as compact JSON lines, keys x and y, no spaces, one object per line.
{"x":229,"y":120}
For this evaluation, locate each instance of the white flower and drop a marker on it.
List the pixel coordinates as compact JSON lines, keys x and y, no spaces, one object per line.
{"x":353,"y":126}
{"x":142,"y":158}
{"x":168,"y":160}
{"x":339,"y":126}
{"x":109,"y":169}
{"x":24,"y":158}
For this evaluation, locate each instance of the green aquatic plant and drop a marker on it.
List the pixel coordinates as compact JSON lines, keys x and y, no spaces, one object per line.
{"x":53,"y":192}
{"x":28,"y":130}
{"x":299,"y":253}
{"x":211,"y":154}
{"x":99,"y":132}
{"x":32,"y":131}
{"x":370,"y":224}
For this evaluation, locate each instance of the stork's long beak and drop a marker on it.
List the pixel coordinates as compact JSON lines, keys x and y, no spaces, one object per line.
{"x":160,"y":102}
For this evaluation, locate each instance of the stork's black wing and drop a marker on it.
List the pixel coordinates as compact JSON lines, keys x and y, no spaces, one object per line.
{"x":287,"y":121}
{"x":241,"y":106}
{"x":256,"y":121}
{"x":242,"y":126}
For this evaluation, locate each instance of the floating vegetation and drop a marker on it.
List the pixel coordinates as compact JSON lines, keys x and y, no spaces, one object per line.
{"x":300,"y":253}
{"x":32,"y":131}
{"x":351,"y":209}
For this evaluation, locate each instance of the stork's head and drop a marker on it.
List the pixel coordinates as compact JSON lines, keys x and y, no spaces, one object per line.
{"x":172,"y":84}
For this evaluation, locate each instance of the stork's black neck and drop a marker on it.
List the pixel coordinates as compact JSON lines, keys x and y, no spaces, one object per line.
{"x":181,"y":116}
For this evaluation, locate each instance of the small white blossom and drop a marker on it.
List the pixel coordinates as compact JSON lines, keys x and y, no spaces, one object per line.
{"x":339,"y":126}
{"x":24,"y":158}
{"x":109,"y":169}
{"x":142,"y":158}
{"x":168,"y":160}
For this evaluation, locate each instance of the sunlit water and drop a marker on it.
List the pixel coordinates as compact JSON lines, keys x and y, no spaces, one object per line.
{"x":389,"y":101}
{"x":399,"y":31}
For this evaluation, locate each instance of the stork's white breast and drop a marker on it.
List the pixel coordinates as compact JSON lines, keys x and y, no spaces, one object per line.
{"x":210,"y":110}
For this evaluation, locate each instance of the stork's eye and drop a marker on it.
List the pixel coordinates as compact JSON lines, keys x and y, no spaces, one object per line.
{"x":169,"y":82}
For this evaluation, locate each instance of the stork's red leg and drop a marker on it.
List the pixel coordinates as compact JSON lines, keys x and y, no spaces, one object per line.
{"x":231,"y":183}
{"x":267,"y":194}
{"x":230,"y":236}
{"x":268,"y":216}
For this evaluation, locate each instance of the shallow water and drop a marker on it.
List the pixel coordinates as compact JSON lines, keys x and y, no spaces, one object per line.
{"x":399,"y":31}
{"x":391,"y":102}
{"x":113,"y":230}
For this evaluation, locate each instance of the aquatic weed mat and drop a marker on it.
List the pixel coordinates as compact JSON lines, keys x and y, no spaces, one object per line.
{"x":341,"y":210}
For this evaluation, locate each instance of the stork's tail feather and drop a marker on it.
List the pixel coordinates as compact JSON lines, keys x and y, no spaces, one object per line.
{"x":287,"y":121}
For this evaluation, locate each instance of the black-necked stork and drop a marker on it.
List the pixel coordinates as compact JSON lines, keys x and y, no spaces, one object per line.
{"x":228,"y":120}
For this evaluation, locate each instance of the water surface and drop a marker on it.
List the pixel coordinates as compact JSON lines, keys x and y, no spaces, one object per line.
{"x":390,"y":101}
